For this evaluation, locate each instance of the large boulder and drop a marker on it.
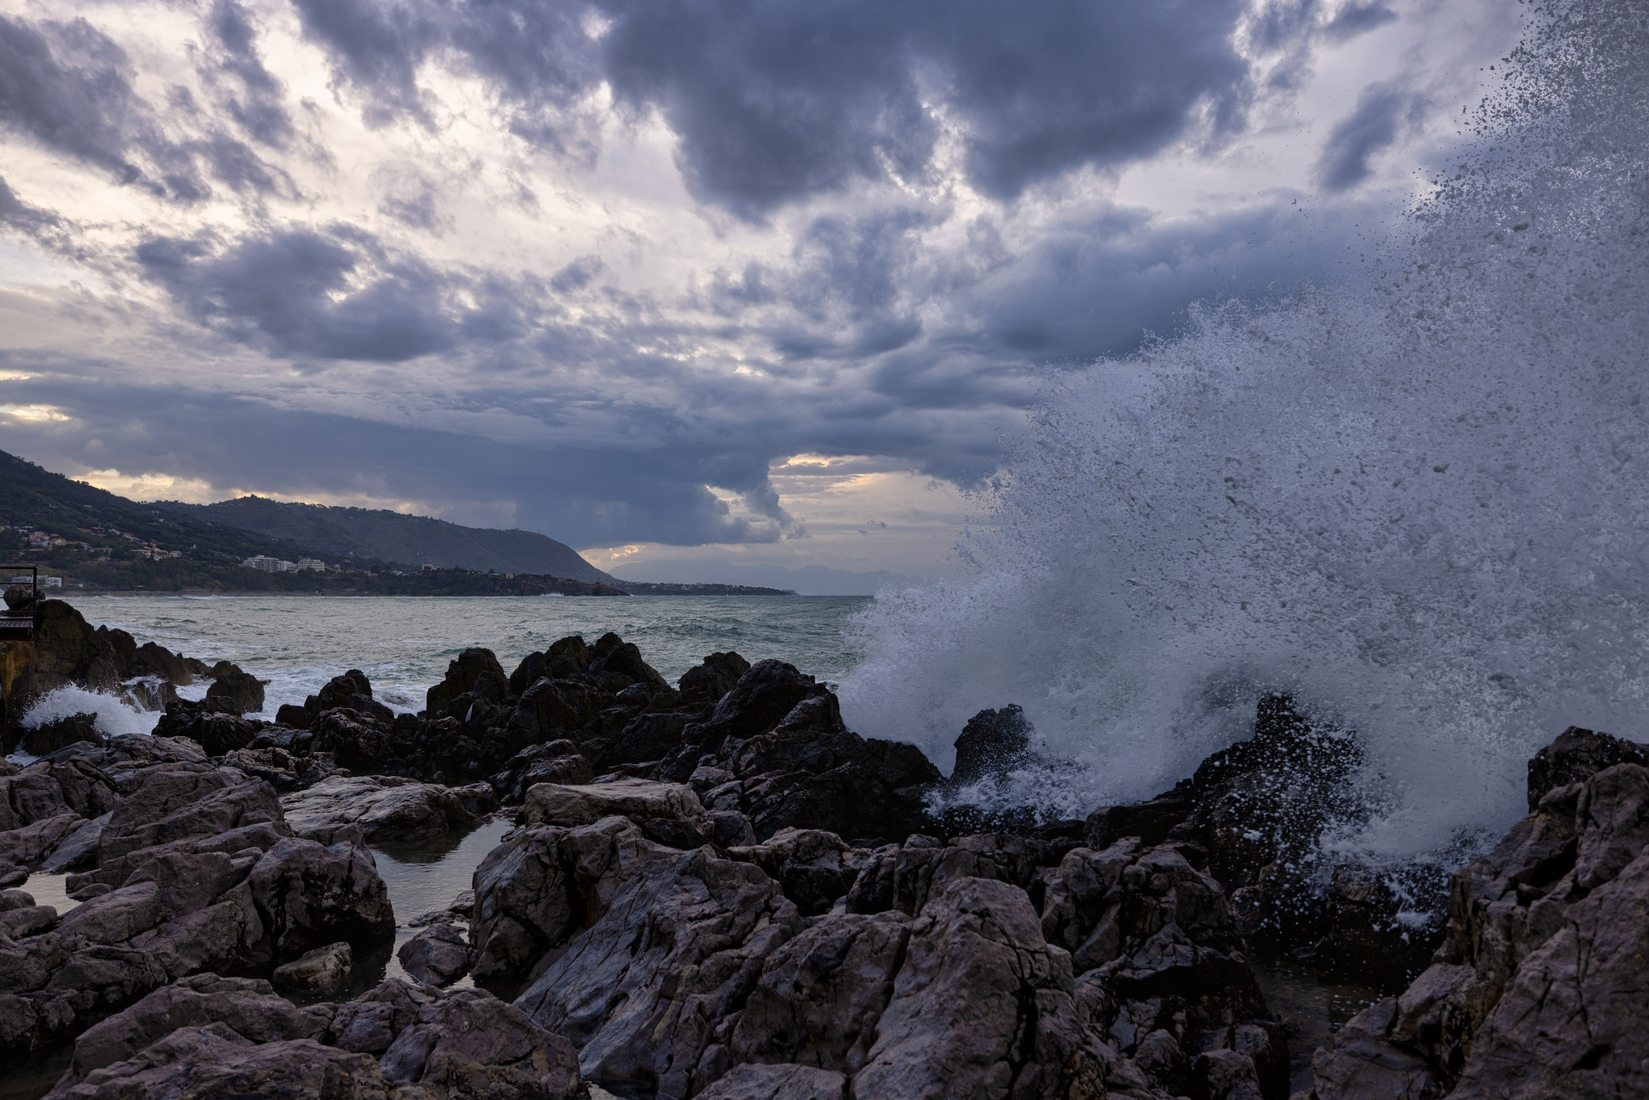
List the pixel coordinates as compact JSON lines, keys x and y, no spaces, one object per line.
{"x":670,"y":813}
{"x":309,"y":895}
{"x":383,"y":808}
{"x":545,"y":884}
{"x":650,"y":986}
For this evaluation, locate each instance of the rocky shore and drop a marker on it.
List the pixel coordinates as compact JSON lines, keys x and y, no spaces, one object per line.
{"x":716,"y":889}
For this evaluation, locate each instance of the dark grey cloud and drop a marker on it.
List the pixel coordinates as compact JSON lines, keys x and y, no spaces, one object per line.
{"x":1381,"y":114}
{"x":588,"y":496}
{"x":1357,"y":17}
{"x":304,"y":293}
{"x":775,"y":103}
{"x":69,"y":87}
{"x":253,"y":97}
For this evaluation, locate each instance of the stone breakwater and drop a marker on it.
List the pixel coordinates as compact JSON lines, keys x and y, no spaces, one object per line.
{"x":715,"y":889}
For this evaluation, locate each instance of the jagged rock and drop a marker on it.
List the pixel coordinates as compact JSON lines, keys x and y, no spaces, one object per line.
{"x":554,"y":762}
{"x":981,"y":1006}
{"x":904,"y":877}
{"x":210,"y":1062}
{"x":437,"y":955}
{"x":670,"y":813}
{"x":48,"y":737}
{"x":235,"y":692}
{"x":175,"y":802}
{"x":993,"y":743}
{"x":1164,"y":972}
{"x":645,"y":989}
{"x":1536,"y":990}
{"x":763,"y":1082}
{"x":704,"y":684}
{"x":822,"y":993}
{"x":323,"y":970}
{"x":472,"y":675}
{"x":249,"y":1007}
{"x":811,"y":771}
{"x":217,"y":732}
{"x":311,"y":895}
{"x":1575,"y":756}
{"x":812,"y":866}
{"x":544,"y":884}
{"x":383,"y":808}
{"x":357,"y":740}
{"x":757,"y":702}
{"x":470,"y":1044}
{"x":28,"y":846}
{"x":350,"y":691}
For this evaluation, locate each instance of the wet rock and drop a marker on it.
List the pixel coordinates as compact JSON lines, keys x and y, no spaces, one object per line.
{"x":48,"y":737}
{"x":1534,"y":990}
{"x":1165,"y":972}
{"x":350,"y":691}
{"x":670,"y":813}
{"x":383,"y":808}
{"x":360,"y":742}
{"x":217,"y":732}
{"x":235,"y":692}
{"x":758,"y":701}
{"x":643,"y":991}
{"x":1575,"y":756}
{"x":437,"y":955}
{"x":992,"y":744}
{"x":810,"y":771}
{"x":323,"y":970}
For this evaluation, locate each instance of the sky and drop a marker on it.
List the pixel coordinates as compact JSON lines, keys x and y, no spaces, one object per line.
{"x":687,"y":285}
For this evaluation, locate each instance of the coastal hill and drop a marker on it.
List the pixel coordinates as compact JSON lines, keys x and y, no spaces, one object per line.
{"x":393,"y":537}
{"x":96,"y":540}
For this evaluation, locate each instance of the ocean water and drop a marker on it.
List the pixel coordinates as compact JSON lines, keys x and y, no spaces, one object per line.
{"x":403,"y":644}
{"x":1418,"y":499}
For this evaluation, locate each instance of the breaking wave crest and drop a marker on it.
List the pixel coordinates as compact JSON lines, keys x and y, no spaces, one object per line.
{"x":1418,"y":500}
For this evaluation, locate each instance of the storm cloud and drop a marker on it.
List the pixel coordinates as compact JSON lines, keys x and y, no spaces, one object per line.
{"x":1379,"y":117}
{"x":601,"y":268}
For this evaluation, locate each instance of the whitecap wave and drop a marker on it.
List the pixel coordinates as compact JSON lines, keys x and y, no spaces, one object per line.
{"x":1419,"y":501}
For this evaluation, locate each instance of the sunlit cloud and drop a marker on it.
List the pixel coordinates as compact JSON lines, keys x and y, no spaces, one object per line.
{"x":35,"y":414}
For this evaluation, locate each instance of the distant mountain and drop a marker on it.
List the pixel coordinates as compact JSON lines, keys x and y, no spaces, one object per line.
{"x":809,"y":580}
{"x":392,"y":537}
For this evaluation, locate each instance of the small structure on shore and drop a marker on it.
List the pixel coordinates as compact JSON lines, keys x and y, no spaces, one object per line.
{"x":19,"y":615}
